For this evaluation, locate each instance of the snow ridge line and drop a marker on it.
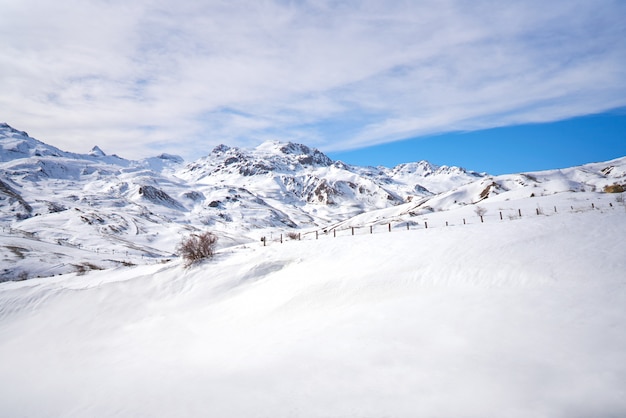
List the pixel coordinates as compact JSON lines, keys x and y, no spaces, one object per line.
{"x":413,"y":225}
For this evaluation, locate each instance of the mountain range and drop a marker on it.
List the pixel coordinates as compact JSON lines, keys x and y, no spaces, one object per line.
{"x":63,"y":212}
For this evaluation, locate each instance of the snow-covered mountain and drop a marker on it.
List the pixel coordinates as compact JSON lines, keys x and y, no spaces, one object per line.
{"x":75,"y":212}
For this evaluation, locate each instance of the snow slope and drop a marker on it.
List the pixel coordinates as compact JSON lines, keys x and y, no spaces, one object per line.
{"x":522,"y":317}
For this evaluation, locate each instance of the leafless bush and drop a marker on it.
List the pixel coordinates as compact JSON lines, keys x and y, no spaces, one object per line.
{"x":293,"y":235}
{"x":197,"y":247}
{"x":480,"y":211}
{"x":615,"y":188}
{"x":84,"y":268}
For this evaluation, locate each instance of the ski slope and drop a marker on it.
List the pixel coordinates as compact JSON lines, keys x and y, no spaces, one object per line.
{"x":522,"y":317}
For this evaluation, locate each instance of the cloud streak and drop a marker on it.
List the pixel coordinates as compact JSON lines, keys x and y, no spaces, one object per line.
{"x":149,"y":76}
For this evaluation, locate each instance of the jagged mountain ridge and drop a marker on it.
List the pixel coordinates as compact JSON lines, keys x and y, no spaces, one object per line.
{"x":286,"y":172}
{"x":96,"y":203}
{"x":306,"y":174}
{"x":105,"y":203}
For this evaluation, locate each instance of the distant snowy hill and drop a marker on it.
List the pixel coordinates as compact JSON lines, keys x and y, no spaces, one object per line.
{"x":62,"y":212}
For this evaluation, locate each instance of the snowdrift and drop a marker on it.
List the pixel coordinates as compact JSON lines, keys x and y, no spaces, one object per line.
{"x":520,"y":318}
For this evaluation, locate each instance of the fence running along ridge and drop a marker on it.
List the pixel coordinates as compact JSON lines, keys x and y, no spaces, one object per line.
{"x":501,"y":215}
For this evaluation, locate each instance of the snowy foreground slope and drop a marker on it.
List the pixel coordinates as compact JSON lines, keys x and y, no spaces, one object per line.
{"x":523,"y":317}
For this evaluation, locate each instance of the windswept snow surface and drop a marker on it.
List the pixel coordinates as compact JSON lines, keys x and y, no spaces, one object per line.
{"x":512,"y":318}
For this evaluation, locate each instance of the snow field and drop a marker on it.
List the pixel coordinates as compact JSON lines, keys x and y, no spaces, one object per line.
{"x":513,"y":319}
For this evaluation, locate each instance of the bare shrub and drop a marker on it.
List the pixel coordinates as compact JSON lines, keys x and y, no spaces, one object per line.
{"x":84,"y":268}
{"x":197,"y":247}
{"x":293,"y":235}
{"x":615,"y":188}
{"x":480,"y":211}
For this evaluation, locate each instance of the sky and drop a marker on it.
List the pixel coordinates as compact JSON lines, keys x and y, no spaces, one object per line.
{"x":366,"y":79}
{"x":510,"y":149}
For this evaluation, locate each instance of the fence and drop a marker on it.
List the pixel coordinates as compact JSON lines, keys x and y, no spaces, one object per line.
{"x":480,"y":217}
{"x":335,"y":231}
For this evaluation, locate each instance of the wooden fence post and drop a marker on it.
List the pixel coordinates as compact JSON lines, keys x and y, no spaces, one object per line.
{"x":407,"y":226}
{"x":371,"y":229}
{"x":537,"y":211}
{"x":389,"y":225}
{"x":463,"y":221}
{"x":334,"y":233}
{"x":500,"y":215}
{"x":481,"y":219}
{"x":446,"y":223}
{"x":555,"y":209}
{"x":281,"y":238}
{"x":316,"y":235}
{"x":352,"y":230}
{"x":425,"y":224}
{"x":519,"y":211}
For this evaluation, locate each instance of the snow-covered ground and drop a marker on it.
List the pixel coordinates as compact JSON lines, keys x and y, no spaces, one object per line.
{"x":520,"y":317}
{"x":428,"y":310}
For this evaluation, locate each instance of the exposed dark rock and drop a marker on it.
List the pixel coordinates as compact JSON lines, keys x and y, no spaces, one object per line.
{"x":195,"y":196}
{"x":13,"y":197}
{"x":159,"y":197}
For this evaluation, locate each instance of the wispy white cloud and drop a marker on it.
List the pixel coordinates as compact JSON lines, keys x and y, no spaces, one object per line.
{"x":153,"y":75}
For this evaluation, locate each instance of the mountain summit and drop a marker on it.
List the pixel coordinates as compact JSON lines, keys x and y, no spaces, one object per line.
{"x":270,"y":156}
{"x":97,"y":152}
{"x":15,"y":144}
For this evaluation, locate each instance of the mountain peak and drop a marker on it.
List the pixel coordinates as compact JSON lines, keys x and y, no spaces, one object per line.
{"x":15,"y":144}
{"x":97,"y":152}
{"x":220,"y":149}
{"x":177,"y":159}
{"x":301,"y":153}
{"x":6,"y":127}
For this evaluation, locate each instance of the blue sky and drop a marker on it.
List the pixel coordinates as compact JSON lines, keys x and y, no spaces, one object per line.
{"x":511,"y":149}
{"x":142,"y":77}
